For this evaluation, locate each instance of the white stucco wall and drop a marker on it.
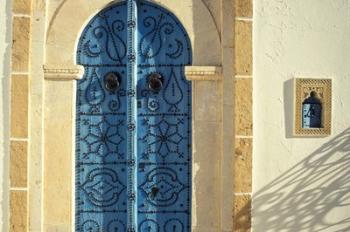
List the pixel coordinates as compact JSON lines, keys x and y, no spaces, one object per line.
{"x":5,"y":40}
{"x":300,"y":184}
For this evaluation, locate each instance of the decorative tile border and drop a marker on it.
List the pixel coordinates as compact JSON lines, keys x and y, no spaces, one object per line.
{"x":302,"y":89}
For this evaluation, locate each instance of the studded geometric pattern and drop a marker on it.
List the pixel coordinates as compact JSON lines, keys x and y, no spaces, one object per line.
{"x":133,"y":144}
{"x":163,"y":138}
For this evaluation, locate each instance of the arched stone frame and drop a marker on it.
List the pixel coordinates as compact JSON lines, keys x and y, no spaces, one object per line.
{"x":68,"y":22}
{"x":61,"y":71}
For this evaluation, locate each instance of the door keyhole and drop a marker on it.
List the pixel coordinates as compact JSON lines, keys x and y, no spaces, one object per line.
{"x":154,"y":192}
{"x":155,"y":82}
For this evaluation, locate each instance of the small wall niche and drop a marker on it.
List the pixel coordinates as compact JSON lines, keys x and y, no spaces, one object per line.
{"x":312,"y":107}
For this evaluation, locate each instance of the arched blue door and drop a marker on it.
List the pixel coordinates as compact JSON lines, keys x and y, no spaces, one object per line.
{"x":133,"y":122}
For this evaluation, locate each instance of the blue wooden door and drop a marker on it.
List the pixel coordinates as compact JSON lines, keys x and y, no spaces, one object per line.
{"x":133,"y":122}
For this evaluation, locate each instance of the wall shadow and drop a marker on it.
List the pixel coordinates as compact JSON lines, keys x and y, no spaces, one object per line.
{"x":312,"y":196}
{"x":288,"y":99}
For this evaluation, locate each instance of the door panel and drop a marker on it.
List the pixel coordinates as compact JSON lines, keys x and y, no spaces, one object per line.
{"x":163,"y":180}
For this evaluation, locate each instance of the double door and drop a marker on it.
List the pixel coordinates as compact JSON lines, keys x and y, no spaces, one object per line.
{"x":133,"y":122}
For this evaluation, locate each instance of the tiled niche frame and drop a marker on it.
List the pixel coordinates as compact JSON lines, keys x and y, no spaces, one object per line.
{"x":302,"y":89}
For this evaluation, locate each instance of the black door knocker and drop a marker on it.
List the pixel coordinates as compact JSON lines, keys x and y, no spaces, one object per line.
{"x":112,"y":81}
{"x":155,"y":82}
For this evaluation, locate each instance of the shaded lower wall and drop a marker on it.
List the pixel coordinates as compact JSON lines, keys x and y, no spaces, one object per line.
{"x":300,"y":184}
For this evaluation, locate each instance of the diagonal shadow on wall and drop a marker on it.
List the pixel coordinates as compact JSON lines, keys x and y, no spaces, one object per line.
{"x":312,"y":196}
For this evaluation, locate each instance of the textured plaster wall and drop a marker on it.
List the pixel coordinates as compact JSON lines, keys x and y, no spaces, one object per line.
{"x":5,"y":40}
{"x":300,"y":184}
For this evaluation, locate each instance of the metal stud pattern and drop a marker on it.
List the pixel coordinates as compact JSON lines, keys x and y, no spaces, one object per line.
{"x":133,"y":144}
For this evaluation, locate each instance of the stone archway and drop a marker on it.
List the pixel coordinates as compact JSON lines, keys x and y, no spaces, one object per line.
{"x":61,"y":71}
